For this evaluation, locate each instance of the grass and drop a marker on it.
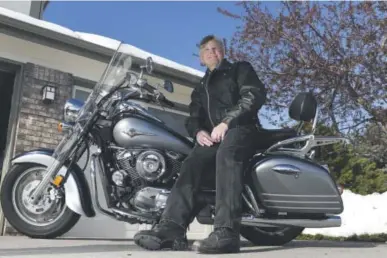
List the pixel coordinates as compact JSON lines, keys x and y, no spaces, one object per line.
{"x":379,"y":238}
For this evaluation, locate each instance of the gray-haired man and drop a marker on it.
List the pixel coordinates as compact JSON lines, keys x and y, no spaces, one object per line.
{"x":223,"y":119}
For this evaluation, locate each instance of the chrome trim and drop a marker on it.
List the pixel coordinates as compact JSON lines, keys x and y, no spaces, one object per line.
{"x":287,"y":169}
{"x":314,"y":127}
{"x":132,"y":107}
{"x":71,"y":110}
{"x":311,"y":142}
{"x":330,"y":222}
{"x":254,"y":203}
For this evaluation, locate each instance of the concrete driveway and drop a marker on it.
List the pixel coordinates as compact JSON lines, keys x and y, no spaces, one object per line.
{"x":61,"y":248}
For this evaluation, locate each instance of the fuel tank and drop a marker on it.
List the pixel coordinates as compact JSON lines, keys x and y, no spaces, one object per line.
{"x":129,"y":132}
{"x":290,"y":184}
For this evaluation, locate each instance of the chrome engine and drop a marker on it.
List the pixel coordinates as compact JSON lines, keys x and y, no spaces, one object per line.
{"x":150,"y":199}
{"x":137,"y":169}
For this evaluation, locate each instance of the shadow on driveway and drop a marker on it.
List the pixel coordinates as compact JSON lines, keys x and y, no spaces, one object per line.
{"x":126,"y":245}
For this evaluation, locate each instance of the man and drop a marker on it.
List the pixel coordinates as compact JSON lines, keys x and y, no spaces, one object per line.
{"x":223,"y":120}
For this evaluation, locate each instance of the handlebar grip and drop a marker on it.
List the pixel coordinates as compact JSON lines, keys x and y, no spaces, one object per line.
{"x":168,"y":102}
{"x":149,"y":88}
{"x":163,"y":99}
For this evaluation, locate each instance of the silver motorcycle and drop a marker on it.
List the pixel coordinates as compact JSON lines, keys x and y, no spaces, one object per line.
{"x":138,"y":159}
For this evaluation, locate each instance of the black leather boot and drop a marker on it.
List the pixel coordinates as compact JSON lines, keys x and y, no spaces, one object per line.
{"x":222,"y":240}
{"x":166,"y":235}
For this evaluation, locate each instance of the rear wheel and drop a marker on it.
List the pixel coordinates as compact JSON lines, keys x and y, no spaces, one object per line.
{"x":270,"y":236}
{"x":49,"y":218}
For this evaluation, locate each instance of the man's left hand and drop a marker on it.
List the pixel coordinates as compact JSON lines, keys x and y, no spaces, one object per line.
{"x":219,"y":132}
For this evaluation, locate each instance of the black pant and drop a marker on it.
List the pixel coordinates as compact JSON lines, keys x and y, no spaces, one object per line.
{"x":230,"y":157}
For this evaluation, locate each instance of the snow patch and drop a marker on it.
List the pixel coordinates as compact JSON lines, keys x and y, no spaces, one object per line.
{"x":98,"y":40}
{"x":362,"y":215}
{"x":134,"y":51}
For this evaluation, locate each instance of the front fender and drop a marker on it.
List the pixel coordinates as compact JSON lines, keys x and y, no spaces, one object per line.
{"x":78,"y":197}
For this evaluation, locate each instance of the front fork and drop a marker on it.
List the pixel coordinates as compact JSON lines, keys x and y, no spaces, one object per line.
{"x":36,"y":195}
{"x":51,"y":174}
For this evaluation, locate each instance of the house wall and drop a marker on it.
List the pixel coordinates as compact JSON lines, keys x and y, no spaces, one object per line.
{"x":25,"y":51}
{"x":33,"y":8}
{"x":38,"y":122}
{"x":18,"y":6}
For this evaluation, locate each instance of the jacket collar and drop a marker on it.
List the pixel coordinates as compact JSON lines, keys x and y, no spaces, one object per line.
{"x":223,"y":65}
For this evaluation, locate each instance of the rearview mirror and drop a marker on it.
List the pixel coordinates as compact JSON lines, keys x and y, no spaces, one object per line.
{"x":168,"y":86}
{"x":149,"y":65}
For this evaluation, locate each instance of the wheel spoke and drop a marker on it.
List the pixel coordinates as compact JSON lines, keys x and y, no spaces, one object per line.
{"x":50,"y":206}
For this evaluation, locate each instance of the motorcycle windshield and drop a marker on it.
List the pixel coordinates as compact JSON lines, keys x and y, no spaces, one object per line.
{"x":112,"y":78}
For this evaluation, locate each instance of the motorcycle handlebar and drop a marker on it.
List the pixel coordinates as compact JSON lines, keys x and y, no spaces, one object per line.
{"x":154,"y":97}
{"x":168,"y":102}
{"x":149,"y":88}
{"x":161,"y":97}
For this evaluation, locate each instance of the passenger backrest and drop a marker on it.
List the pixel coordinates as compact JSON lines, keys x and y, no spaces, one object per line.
{"x":303,"y":107}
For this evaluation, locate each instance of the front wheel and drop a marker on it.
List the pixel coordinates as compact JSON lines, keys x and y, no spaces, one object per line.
{"x":50,"y":218}
{"x":273,"y":236}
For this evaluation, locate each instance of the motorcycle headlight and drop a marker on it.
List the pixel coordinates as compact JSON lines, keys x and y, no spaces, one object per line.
{"x":71,"y":110}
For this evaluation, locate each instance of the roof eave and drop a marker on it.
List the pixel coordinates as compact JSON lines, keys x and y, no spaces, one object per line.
{"x":89,"y":46}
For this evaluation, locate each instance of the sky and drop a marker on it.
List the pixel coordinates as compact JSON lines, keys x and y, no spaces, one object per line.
{"x":168,"y":29}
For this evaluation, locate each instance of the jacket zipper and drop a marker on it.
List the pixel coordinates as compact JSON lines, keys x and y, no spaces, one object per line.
{"x":208,"y":100}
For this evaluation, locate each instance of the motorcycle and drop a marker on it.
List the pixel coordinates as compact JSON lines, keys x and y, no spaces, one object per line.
{"x":138,"y":159}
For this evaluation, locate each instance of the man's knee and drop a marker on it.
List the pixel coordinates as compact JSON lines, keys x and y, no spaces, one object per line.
{"x":233,"y":153}
{"x":225,"y":154}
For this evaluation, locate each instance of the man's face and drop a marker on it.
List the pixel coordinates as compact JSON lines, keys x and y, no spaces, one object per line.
{"x":211,"y":54}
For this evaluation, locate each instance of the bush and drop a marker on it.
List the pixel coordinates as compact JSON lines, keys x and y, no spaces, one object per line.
{"x":380,"y":238}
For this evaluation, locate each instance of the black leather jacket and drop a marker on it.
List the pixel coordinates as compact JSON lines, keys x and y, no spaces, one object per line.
{"x":232,"y":93}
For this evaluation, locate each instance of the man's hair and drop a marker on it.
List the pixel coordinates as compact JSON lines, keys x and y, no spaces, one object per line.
{"x":209,"y":38}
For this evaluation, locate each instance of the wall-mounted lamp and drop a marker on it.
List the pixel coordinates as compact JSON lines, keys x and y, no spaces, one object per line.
{"x":48,"y":94}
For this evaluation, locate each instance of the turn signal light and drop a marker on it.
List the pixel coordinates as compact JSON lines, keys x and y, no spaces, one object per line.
{"x":57,"y":180}
{"x":60,"y":127}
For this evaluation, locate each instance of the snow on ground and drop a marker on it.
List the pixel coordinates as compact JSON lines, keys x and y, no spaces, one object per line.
{"x":361,"y":215}
{"x":98,"y":40}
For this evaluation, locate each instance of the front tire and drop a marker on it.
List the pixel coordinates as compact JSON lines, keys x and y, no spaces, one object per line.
{"x":50,"y":218}
{"x":270,"y":236}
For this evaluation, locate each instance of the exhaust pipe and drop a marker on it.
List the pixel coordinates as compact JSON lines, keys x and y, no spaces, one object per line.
{"x":330,"y":222}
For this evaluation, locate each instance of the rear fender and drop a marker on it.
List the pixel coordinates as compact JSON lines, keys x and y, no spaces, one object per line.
{"x":78,"y":197}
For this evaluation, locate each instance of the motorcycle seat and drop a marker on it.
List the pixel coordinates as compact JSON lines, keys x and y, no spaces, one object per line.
{"x":268,"y":137}
{"x":282,"y":133}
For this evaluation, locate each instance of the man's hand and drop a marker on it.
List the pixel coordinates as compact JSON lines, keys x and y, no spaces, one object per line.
{"x":204,"y":139}
{"x":219,"y":132}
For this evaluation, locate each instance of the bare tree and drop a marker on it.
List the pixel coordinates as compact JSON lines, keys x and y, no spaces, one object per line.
{"x":335,"y":49}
